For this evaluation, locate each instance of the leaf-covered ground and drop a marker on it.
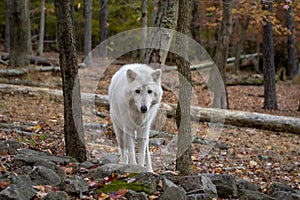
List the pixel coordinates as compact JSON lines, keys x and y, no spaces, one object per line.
{"x":260,"y":156}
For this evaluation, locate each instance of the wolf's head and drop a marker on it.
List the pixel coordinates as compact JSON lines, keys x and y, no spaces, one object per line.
{"x":144,"y":88}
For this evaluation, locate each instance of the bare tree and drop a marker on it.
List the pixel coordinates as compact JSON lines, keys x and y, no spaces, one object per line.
{"x":20,"y":36}
{"x":270,"y":100}
{"x":165,"y":17}
{"x":144,"y":26}
{"x":73,"y":123}
{"x":291,"y":43}
{"x":239,"y":46}
{"x":103,"y":26}
{"x":221,"y":100}
{"x":7,"y":24}
{"x":183,"y":120}
{"x":42,"y":29}
{"x":88,"y":27}
{"x":195,"y":21}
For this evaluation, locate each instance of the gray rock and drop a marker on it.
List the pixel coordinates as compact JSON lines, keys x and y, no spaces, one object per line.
{"x":24,"y":170}
{"x":110,"y":158}
{"x":45,"y":163}
{"x":95,"y":161}
{"x":222,"y":146}
{"x":19,"y":189}
{"x":9,"y":147}
{"x":253,"y":195}
{"x":281,"y":187}
{"x":43,"y":176}
{"x":242,"y":184}
{"x":208,"y":187}
{"x":157,"y":141}
{"x":172,"y":191}
{"x":30,"y":157}
{"x":75,"y":185}
{"x":87,"y":164}
{"x":225,"y":183}
{"x":50,"y":165}
{"x":149,"y":180}
{"x":106,"y":170}
{"x":59,"y":195}
{"x":132,"y":195}
{"x":279,"y":195}
{"x":198,"y":196}
{"x":196,"y":184}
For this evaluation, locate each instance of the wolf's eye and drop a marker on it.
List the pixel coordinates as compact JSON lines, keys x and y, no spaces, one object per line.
{"x":149,"y":91}
{"x":137,"y":91}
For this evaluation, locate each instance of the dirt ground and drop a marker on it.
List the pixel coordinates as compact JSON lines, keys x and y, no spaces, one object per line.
{"x":260,"y":156}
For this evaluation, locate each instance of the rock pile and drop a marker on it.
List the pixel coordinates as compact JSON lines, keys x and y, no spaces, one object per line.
{"x":28,"y":174}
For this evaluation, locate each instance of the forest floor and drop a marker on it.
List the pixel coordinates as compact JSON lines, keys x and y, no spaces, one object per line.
{"x":260,"y":156}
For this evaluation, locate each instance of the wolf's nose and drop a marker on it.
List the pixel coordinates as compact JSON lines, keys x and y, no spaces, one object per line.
{"x":144,"y":109}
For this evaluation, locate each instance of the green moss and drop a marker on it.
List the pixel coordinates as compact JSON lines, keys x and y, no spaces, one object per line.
{"x":122,"y":184}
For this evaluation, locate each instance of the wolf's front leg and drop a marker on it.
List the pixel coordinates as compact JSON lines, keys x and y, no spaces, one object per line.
{"x":122,"y":147}
{"x":130,"y":142}
{"x":142,"y":144}
{"x":148,"y":160}
{"x":143,"y":148}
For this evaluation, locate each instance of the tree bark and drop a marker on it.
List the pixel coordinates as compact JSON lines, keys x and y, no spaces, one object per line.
{"x":103,"y":26}
{"x":221,"y":100}
{"x":166,"y":17}
{"x":270,"y":100}
{"x":183,"y":120}
{"x":195,"y":23}
{"x":20,"y":37}
{"x":291,"y":44}
{"x":42,"y":29}
{"x":144,"y":27}
{"x":239,"y":46}
{"x":88,"y":27}
{"x":73,"y":123}
{"x":7,"y":25}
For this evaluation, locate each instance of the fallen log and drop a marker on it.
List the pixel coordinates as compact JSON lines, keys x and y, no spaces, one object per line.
{"x":12,"y":72}
{"x":251,"y":80}
{"x":28,"y":83}
{"x":37,"y":60}
{"x":23,"y":71}
{"x":232,"y":117}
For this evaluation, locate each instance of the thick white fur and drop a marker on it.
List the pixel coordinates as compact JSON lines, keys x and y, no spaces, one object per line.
{"x":134,"y":89}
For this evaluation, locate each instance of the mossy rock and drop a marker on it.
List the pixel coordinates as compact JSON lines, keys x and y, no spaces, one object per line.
{"x":122,"y":184}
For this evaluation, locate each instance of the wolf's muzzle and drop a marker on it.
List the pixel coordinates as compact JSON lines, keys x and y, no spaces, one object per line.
{"x":144,"y":109}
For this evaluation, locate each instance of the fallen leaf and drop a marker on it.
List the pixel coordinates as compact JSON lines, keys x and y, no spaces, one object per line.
{"x":4,"y":184}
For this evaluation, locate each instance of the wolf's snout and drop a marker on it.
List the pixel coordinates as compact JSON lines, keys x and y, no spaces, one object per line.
{"x":143,"y":109}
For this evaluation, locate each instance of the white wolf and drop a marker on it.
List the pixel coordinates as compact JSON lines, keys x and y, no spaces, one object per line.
{"x":134,"y":93}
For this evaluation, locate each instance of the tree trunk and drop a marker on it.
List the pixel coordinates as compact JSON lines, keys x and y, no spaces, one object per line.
{"x":73,"y":123}
{"x":270,"y":100}
{"x":7,"y":24}
{"x":103,"y":26}
{"x":144,"y":27}
{"x":239,"y":46}
{"x":88,"y":27}
{"x":291,"y":43}
{"x":195,"y":22}
{"x":42,"y":29}
{"x":166,"y":17}
{"x":183,"y":120}
{"x":20,"y":37}
{"x":221,"y":100}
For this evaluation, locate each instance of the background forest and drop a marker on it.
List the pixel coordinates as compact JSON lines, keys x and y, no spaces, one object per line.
{"x":254,"y":46}
{"x":205,"y":21}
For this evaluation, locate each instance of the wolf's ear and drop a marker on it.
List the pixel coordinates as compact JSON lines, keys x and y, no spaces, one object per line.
{"x":156,"y":75}
{"x":131,"y":75}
